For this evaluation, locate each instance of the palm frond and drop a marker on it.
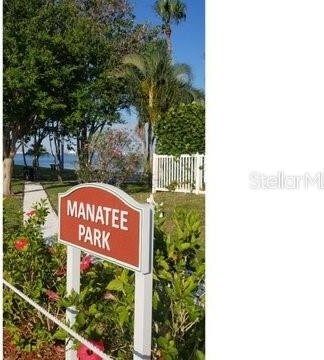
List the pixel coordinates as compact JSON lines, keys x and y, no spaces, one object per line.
{"x":137,"y":61}
{"x":170,"y":10}
{"x":156,"y":83}
{"x":183,"y":72}
{"x":162,"y":8}
{"x":178,"y":11}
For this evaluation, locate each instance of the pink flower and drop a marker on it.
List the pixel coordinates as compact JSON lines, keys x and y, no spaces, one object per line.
{"x":109,"y":296}
{"x":86,"y":263}
{"x":85,"y":353}
{"x":52,"y":295}
{"x":21,"y":244}
{"x":31,"y":213}
{"x":116,"y":152}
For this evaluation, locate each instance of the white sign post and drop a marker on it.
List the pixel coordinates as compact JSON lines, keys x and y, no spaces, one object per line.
{"x":143,"y":316}
{"x":103,"y":220}
{"x":143,"y":296}
{"x":72,"y":283}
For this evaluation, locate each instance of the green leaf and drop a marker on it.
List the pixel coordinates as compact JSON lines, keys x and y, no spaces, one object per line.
{"x":60,"y":334}
{"x":123,"y":315}
{"x":115,"y":285}
{"x":184,"y":246}
{"x":80,"y":319}
{"x":93,"y":309}
{"x":199,"y":355}
{"x":165,"y":275}
{"x":124,"y":276}
{"x":164,"y":264}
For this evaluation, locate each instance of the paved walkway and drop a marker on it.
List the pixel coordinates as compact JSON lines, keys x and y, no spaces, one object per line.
{"x":33,"y":193}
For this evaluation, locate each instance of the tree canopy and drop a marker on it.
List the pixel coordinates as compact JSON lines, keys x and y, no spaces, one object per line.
{"x":57,"y":59}
{"x":186,"y":123}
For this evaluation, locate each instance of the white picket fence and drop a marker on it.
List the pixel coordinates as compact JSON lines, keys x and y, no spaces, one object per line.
{"x":185,"y":173}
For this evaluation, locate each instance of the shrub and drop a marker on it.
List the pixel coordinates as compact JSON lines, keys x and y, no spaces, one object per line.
{"x":105,"y":303}
{"x":117,"y":156}
{"x":31,"y":266}
{"x":178,"y":317}
{"x":182,"y":130}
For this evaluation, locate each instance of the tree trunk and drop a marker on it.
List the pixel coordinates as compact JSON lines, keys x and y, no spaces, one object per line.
{"x":83,"y":151}
{"x":52,"y":152}
{"x":57,"y":144}
{"x":9,"y":150}
{"x":83,"y":155}
{"x":149,"y":155}
{"x":23,"y":153}
{"x":7,"y":174}
{"x":167,"y":33}
{"x":62,"y":148}
{"x":150,"y":135}
{"x":34,"y":162}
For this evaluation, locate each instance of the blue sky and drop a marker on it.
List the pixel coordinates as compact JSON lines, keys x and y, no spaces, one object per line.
{"x":188,"y":38}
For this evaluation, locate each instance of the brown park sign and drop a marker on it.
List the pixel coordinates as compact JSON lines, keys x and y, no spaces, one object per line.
{"x":103,"y":220}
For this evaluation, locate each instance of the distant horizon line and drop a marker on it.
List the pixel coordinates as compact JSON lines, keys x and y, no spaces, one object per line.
{"x":68,"y":152}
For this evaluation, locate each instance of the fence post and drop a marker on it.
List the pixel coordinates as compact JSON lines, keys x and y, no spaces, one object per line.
{"x":72,"y":283}
{"x":154,"y":174}
{"x":197,"y":173}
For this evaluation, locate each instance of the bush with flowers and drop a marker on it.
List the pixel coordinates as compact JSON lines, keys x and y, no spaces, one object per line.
{"x":116,"y":157}
{"x":105,"y":304}
{"x":31,"y":265}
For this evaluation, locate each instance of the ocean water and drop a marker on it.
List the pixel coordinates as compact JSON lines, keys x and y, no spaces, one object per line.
{"x":70,"y":161}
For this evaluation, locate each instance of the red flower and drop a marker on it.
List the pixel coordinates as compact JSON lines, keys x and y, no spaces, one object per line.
{"x":84,"y":353}
{"x":21,"y":244}
{"x":86,"y":263}
{"x":52,"y":295}
{"x":31,"y":213}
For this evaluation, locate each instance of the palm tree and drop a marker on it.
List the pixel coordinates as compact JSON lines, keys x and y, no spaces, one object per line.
{"x":170,"y":11}
{"x":156,"y":84}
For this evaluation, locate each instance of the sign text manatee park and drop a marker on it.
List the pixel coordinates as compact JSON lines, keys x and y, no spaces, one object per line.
{"x":105,"y":221}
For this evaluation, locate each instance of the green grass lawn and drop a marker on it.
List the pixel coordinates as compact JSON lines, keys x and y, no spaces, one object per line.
{"x":53,"y":188}
{"x":44,"y":174}
{"x":13,"y":204}
{"x":171,"y":200}
{"x":12,"y":207}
